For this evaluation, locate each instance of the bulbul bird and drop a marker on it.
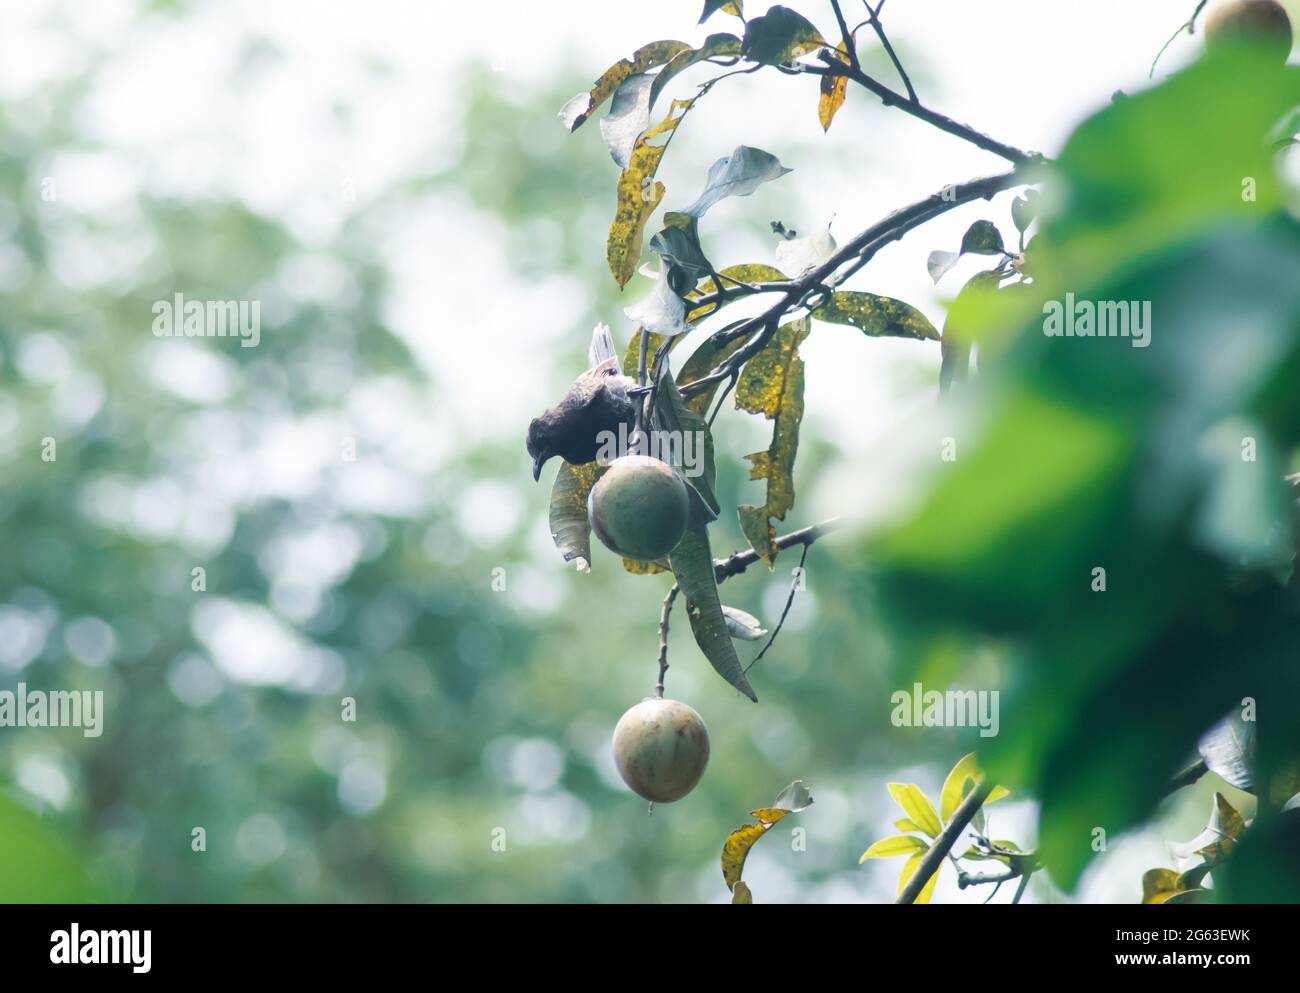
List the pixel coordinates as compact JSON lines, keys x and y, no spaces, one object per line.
{"x":599,"y":400}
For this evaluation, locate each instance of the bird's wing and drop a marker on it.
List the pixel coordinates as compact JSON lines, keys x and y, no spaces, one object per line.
{"x":602,"y":348}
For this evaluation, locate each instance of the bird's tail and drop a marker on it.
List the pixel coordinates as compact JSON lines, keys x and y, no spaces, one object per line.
{"x":602,"y":348}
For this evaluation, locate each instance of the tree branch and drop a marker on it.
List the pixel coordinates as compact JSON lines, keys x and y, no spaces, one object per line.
{"x":858,"y":252}
{"x":737,"y":562}
{"x":942,"y":845}
{"x":873,"y":17}
{"x":666,"y":610}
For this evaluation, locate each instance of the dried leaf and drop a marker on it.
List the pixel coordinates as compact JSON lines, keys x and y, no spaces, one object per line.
{"x":743,"y":625}
{"x":740,"y":893}
{"x":735,"y":850}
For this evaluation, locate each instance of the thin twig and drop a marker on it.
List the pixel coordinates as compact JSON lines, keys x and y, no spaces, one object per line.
{"x":737,"y":562}
{"x":789,"y":601}
{"x":942,"y":845}
{"x":850,"y":46}
{"x":1024,"y":885}
{"x":1189,"y":26}
{"x":663,"y":640}
{"x":874,"y":17}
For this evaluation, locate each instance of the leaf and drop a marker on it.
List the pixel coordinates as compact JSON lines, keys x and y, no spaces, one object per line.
{"x":1228,"y":749}
{"x":800,"y":256}
{"x":663,"y":311}
{"x":678,"y":245}
{"x":917,"y":806}
{"x":956,"y":348}
{"x":736,"y":175}
{"x":900,"y":844}
{"x":771,"y":384}
{"x":671,"y":415}
{"x":740,"y":893}
{"x":715,"y":45}
{"x":570,"y":528}
{"x":638,"y":193}
{"x":1024,"y":209}
{"x":833,"y":91}
{"x":744,"y":626}
{"x":1158,"y":885}
{"x":692,"y":563}
{"x":959,"y":782}
{"x":653,"y":567}
{"x":779,"y":36}
{"x":982,"y":238}
{"x":734,"y":7}
{"x":876,"y":316}
{"x":750,"y":272}
{"x":940,"y":263}
{"x":735,"y":850}
{"x":576,"y":112}
{"x":906,"y":824}
{"x":909,"y":870}
{"x":39,"y":866}
{"x":628,"y":118}
{"x":794,"y":798}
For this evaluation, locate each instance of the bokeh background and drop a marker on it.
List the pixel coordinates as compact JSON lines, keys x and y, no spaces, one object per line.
{"x":390,"y":181}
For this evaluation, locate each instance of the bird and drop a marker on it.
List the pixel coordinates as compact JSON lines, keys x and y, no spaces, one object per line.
{"x":600,"y":400}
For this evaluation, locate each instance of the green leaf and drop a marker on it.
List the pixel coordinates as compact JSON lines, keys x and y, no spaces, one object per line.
{"x":38,"y":865}
{"x":876,"y":316}
{"x":671,"y":415}
{"x":736,"y":175}
{"x":1024,"y":209}
{"x":692,"y":562}
{"x":742,"y":625}
{"x":982,"y":238}
{"x":779,"y":36}
{"x":734,"y":7}
{"x":570,"y":528}
{"x":916,"y":806}
{"x":902,"y":844}
{"x":956,"y":347}
{"x":576,"y":112}
{"x":678,"y":244}
{"x":771,"y":384}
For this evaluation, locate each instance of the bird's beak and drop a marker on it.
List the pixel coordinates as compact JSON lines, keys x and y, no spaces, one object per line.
{"x":537,"y":467}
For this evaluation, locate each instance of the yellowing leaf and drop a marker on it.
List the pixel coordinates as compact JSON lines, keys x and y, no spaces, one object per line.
{"x":876,"y":316}
{"x":638,"y":193}
{"x":901,"y":844}
{"x":570,"y":528}
{"x":771,"y":384}
{"x":916,"y":806}
{"x":906,"y":824}
{"x":768,"y":815}
{"x":909,"y":870}
{"x":576,"y":112}
{"x":740,"y":893}
{"x":955,"y":789}
{"x":736,"y":849}
{"x":1158,"y":885}
{"x":833,"y":90}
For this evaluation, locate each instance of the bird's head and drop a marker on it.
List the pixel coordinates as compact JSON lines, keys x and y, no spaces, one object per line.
{"x":540,"y":443}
